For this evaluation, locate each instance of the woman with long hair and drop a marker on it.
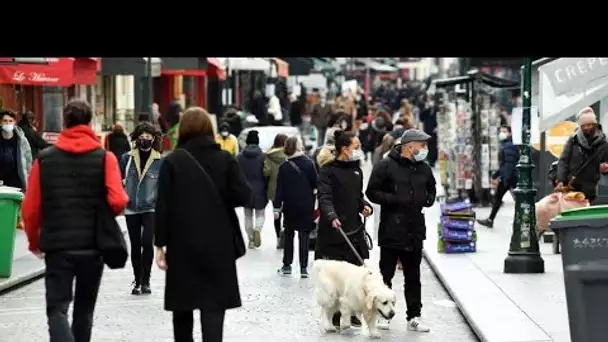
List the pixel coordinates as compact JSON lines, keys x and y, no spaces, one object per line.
{"x":340,"y":193}
{"x":197,"y":232}
{"x":140,"y":169}
{"x":272,"y":160}
{"x":296,"y":185}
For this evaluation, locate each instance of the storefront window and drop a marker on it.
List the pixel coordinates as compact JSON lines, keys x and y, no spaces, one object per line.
{"x":52,"y":107}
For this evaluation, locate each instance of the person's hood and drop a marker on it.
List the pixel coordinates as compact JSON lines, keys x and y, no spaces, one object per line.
{"x":252,"y":151}
{"x":395,"y":154}
{"x":598,"y":137}
{"x":276,"y":154}
{"x":326,"y":155}
{"x":78,"y":139}
{"x":296,"y":154}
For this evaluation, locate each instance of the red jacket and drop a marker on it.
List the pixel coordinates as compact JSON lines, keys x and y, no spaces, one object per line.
{"x":79,"y":139}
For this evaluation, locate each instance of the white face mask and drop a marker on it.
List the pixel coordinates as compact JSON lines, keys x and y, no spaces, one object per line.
{"x":224,"y":133}
{"x":357,"y":155}
{"x":8,"y":128}
{"x":502,"y":136}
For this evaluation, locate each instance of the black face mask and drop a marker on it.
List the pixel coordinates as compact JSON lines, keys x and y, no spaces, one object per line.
{"x":145,"y":144}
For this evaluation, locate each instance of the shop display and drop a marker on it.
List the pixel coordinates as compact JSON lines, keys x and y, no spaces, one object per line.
{"x":456,"y":228}
{"x":456,"y":147}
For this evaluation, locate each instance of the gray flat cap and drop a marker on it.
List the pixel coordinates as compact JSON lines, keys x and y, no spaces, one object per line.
{"x":414,"y":135}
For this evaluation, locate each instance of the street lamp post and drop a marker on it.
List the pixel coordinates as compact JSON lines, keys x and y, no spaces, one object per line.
{"x":524,"y":255}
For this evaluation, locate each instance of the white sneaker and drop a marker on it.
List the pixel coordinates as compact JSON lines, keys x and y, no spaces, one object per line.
{"x":383,"y":323}
{"x":415,"y":324}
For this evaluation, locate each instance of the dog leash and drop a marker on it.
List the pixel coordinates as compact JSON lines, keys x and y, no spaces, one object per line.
{"x":350,"y":244}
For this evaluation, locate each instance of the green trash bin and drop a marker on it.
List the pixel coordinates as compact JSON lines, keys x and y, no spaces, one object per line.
{"x":10,"y":202}
{"x":583,"y":235}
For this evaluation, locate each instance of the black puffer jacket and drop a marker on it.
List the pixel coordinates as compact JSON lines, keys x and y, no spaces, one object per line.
{"x":577,"y":150}
{"x":340,"y":192}
{"x":403,"y":188}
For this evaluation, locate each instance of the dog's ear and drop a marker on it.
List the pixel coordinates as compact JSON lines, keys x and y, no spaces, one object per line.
{"x":369,"y":301}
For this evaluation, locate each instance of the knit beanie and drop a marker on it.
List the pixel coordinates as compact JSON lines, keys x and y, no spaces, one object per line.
{"x":252,"y":138}
{"x":587,"y":116}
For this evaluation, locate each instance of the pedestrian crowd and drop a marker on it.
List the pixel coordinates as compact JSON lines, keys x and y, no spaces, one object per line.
{"x":180,"y":206}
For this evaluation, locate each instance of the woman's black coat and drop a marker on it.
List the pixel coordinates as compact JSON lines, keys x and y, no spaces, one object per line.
{"x":196,"y":221}
{"x":118,"y":143}
{"x":295,"y":192}
{"x":340,"y":193}
{"x":37,"y":143}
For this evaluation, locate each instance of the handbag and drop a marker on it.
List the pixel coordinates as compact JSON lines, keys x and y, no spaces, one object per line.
{"x":239,"y":242}
{"x":109,"y":237}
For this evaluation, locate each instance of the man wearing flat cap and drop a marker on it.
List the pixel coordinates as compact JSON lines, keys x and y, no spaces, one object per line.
{"x":403,"y":184}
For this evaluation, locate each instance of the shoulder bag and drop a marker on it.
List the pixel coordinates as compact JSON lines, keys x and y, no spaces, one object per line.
{"x":239,"y":242}
{"x":108,"y":235}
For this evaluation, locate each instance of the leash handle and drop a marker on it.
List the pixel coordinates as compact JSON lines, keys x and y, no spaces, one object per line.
{"x":350,"y":244}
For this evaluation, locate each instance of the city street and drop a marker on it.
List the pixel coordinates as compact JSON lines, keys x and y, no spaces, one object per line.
{"x":274,"y":307}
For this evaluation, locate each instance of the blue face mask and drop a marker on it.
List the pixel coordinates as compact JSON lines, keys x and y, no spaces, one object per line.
{"x":421,"y":154}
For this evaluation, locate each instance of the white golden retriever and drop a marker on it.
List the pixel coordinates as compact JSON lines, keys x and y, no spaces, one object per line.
{"x":351,"y":290}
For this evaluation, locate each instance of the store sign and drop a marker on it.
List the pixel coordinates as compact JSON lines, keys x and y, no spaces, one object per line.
{"x":571,"y":74}
{"x":38,"y":77}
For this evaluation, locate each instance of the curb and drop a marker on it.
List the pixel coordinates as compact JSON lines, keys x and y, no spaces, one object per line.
{"x":14,"y":283}
{"x":478,"y":332}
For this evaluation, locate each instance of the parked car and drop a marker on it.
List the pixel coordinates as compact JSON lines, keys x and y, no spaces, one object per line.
{"x":267,"y":134}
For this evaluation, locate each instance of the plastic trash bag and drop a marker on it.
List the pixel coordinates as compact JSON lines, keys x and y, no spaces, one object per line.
{"x":546,"y":209}
{"x":573,"y":200}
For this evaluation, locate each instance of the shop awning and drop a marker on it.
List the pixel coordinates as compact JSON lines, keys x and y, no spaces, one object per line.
{"x":244,"y":63}
{"x":184,"y":66}
{"x":371,"y":64}
{"x":216,"y":68}
{"x":299,"y":66}
{"x":282,"y":67}
{"x":322,"y":65}
{"x":59,"y":72}
{"x":476,"y":75}
{"x":569,"y":84}
{"x":136,"y":66}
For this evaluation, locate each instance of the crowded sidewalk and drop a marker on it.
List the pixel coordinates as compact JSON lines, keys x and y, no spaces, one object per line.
{"x":502,"y":307}
{"x":274,"y":307}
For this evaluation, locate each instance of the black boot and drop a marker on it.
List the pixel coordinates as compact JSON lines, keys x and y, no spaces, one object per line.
{"x":487,"y":222}
{"x":335,"y":320}
{"x":145,"y":289}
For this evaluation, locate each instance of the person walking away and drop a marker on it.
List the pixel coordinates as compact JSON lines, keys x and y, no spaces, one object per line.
{"x":272,"y":160}
{"x":36,"y":141}
{"x":140,"y":168}
{"x":505,"y":178}
{"x":403,"y":184}
{"x":117,"y":141}
{"x":296,"y":111}
{"x":588,"y":141}
{"x":196,"y":230}
{"x":320,"y":116}
{"x":295,"y":198}
{"x":428,"y":121}
{"x":174,"y":114}
{"x":68,"y":183}
{"x":227,"y":141}
{"x":340,"y":195}
{"x":15,"y":153}
{"x":251,"y":160}
{"x":326,"y":153}
{"x":275,"y":113}
{"x":259,"y":108}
